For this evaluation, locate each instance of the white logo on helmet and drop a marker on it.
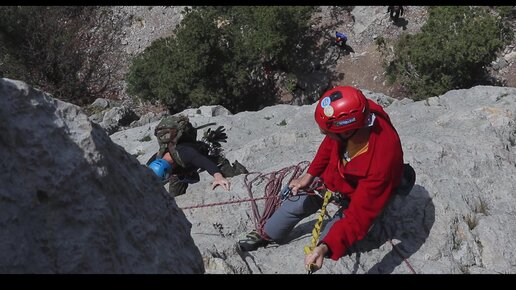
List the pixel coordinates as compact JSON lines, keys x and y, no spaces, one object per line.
{"x":328,"y":111}
{"x":345,"y":122}
{"x":325,"y":102}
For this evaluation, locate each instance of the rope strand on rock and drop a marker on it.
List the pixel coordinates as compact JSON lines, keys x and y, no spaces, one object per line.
{"x":223,"y":203}
{"x":272,"y":188}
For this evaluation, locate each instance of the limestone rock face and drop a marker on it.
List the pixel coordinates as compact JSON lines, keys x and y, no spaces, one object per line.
{"x":72,"y":201}
{"x":459,"y":217}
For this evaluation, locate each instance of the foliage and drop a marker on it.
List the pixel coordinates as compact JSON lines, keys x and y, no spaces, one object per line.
{"x":65,"y":51}
{"x":291,"y":82}
{"x":452,"y":51}
{"x":146,"y":138}
{"x":220,"y":55}
{"x":504,"y":11}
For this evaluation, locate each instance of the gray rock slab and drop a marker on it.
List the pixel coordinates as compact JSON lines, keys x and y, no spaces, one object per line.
{"x":72,"y":201}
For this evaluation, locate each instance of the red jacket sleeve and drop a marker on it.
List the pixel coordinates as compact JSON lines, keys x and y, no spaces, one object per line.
{"x":368,"y":201}
{"x":322,"y":157}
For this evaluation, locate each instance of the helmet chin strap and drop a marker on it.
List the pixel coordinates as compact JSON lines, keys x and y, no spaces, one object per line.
{"x":343,"y":140}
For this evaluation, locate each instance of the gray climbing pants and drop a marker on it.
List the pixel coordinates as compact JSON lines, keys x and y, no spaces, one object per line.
{"x":298,"y":207}
{"x":292,"y":211}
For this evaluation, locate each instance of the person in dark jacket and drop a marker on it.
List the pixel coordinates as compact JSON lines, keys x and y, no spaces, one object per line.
{"x":395,"y":12}
{"x":181,"y":156}
{"x":185,"y":165}
{"x":341,"y":39}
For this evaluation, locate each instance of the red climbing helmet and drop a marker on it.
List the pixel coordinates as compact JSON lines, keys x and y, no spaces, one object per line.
{"x":342,"y":109}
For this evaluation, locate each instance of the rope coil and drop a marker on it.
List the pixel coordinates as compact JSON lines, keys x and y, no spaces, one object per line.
{"x":272,"y":191}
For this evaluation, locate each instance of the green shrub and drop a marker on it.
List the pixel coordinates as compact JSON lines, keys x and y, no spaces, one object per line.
{"x":291,"y":82}
{"x":282,"y":123}
{"x":452,"y":51}
{"x":218,"y":56}
{"x":504,"y":11}
{"x":146,"y":138}
{"x":63,"y":50}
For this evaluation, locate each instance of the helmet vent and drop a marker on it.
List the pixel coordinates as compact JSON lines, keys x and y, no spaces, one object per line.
{"x":335,"y":96}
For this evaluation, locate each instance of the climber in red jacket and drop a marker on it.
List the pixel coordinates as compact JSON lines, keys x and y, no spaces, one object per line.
{"x":360,"y":159}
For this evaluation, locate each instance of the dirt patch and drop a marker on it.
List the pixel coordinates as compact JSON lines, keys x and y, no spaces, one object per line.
{"x":362,"y":70}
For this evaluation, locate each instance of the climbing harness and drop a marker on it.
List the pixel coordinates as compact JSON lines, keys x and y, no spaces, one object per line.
{"x":285,"y":192}
{"x":314,"y":188}
{"x":317,"y":230}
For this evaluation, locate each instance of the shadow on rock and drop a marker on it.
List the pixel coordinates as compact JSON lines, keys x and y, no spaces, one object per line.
{"x":401,"y":22}
{"x":407,"y":219}
{"x":347,"y":49}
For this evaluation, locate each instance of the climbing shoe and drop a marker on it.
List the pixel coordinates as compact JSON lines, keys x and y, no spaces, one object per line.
{"x":252,"y":242}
